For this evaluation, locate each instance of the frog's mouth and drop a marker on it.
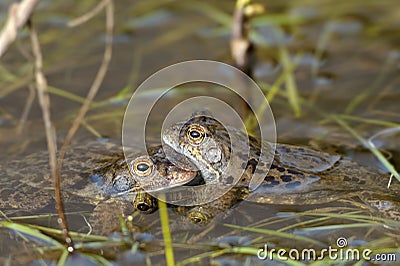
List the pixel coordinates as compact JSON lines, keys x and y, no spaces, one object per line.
{"x":174,"y":151}
{"x":159,"y":186}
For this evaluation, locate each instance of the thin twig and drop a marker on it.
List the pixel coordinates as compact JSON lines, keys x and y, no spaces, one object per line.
{"x":18,"y":15}
{"x":44,"y":102}
{"x":96,"y":83}
{"x":87,"y":16}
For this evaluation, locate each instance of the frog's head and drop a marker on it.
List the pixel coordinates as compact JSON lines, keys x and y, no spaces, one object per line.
{"x":204,"y":141}
{"x":154,"y":172}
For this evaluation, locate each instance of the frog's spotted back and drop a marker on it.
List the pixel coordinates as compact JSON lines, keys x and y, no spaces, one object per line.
{"x":305,"y":158}
{"x":290,"y":170}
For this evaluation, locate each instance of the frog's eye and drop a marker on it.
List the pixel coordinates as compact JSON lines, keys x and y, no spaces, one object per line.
{"x":143,"y":167}
{"x":145,"y":202}
{"x":195,"y":134}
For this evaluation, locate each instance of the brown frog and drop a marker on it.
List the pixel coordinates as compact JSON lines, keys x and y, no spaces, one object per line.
{"x":94,"y":173}
{"x":297,"y":175}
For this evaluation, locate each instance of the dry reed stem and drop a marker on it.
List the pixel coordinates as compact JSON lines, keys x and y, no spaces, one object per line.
{"x":45,"y":105}
{"x":96,"y":83}
{"x":89,"y":15}
{"x":44,"y":101}
{"x":18,"y":15}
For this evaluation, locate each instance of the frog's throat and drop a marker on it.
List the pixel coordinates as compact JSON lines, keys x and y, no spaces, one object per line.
{"x":210,"y":175}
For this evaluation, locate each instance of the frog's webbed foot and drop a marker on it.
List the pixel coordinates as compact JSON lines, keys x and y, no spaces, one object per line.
{"x":205,"y":213}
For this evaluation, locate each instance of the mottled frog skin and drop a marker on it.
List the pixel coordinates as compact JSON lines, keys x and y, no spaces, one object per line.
{"x":297,"y":175}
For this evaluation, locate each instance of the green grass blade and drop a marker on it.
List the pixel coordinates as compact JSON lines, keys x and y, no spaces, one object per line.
{"x":31,"y":232}
{"x":374,"y":150}
{"x":65,"y":94}
{"x":291,"y":87}
{"x":369,"y":120}
{"x":339,"y":227}
{"x":63,"y":258}
{"x":169,"y":252}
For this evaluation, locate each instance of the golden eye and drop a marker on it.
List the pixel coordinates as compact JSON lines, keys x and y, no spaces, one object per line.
{"x":145,"y":202}
{"x":143,"y":167}
{"x":195,"y":134}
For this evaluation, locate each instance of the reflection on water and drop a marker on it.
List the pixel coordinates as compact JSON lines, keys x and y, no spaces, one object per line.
{"x":344,"y":65}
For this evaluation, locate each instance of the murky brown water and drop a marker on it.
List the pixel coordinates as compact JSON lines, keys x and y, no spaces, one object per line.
{"x":349,"y":50}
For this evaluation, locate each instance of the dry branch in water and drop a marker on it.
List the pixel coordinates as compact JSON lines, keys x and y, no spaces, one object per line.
{"x":44,"y":102}
{"x":109,"y":8}
{"x":18,"y":15}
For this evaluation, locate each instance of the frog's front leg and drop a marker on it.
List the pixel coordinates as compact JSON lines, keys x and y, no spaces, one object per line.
{"x":204,"y":213}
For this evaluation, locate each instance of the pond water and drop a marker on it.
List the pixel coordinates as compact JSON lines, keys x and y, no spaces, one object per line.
{"x":347,"y":55}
